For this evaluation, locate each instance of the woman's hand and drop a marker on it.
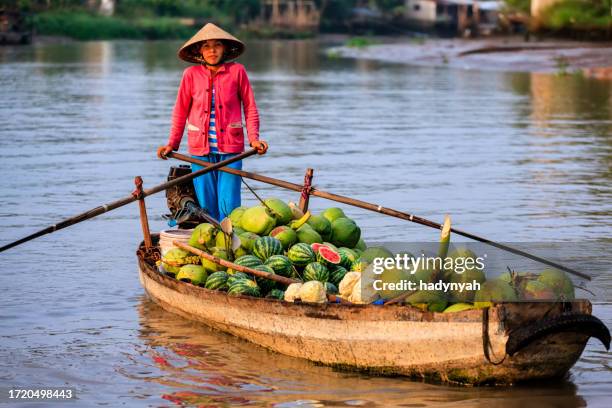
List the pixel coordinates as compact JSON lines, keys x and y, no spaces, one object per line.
{"x":162,"y":151}
{"x":260,"y":145}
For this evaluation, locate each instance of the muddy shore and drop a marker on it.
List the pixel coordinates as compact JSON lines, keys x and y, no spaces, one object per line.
{"x":497,"y":54}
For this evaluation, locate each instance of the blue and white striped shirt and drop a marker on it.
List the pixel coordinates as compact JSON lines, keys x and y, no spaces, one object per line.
{"x":212,"y":130}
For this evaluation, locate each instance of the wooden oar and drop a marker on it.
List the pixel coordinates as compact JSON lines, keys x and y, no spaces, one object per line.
{"x":127,"y":200}
{"x":250,"y":271}
{"x":380,"y":209}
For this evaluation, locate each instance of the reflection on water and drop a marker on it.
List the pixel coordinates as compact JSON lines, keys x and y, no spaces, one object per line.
{"x":514,"y":157}
{"x":202,"y":366}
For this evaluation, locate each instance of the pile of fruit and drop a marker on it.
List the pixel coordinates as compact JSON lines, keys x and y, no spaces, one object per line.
{"x":327,"y":253}
{"x":277,"y":238}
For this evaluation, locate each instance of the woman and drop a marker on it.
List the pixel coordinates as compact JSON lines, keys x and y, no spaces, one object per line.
{"x":210,"y":101}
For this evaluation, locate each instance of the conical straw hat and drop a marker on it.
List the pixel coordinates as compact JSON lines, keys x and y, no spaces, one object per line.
{"x":190,"y":51}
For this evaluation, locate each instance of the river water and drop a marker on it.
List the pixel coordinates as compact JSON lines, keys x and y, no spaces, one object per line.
{"x":512,"y":156}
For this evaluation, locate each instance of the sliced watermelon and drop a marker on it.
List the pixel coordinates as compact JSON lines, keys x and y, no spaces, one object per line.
{"x":329,"y":255}
{"x":315,"y":247}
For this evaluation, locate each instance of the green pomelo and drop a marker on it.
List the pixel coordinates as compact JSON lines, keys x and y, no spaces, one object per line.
{"x":494,"y":291}
{"x":287,"y":236}
{"x":203,"y":236}
{"x":240,"y":251}
{"x":221,"y":240}
{"x":210,"y":266}
{"x":434,"y":301}
{"x":192,"y":274}
{"x":372,"y":253}
{"x":280,"y":210}
{"x":236,"y":217}
{"x":314,"y":271}
{"x":276,"y":294}
{"x":463,"y":259}
{"x":170,"y":269}
{"x":258,"y":220}
{"x":265,"y":247}
{"x":301,"y":254}
{"x":330,"y":288}
{"x":308,"y":235}
{"x":281,"y":265}
{"x":247,"y":239}
{"x":559,"y":282}
{"x":471,"y":275}
{"x":320,"y":224}
{"x":392,"y":276}
{"x":296,"y":211}
{"x":361,"y":245}
{"x":536,"y":290}
{"x":179,"y":257}
{"x":217,"y":281}
{"x":333,"y":214}
{"x":459,"y":307}
{"x":345,"y":233}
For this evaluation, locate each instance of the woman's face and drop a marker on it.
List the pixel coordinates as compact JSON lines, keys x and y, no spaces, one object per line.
{"x":212,"y":51}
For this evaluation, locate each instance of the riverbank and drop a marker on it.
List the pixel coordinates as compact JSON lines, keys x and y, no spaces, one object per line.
{"x":491,"y":54}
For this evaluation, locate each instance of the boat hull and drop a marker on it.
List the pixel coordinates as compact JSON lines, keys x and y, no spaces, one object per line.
{"x":466,"y":347}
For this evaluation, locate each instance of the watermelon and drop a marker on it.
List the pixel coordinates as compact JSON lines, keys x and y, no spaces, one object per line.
{"x":336,"y":274}
{"x":266,"y":285}
{"x":348,"y":256}
{"x":236,"y":276}
{"x":217,"y":281}
{"x":327,"y":256}
{"x":301,"y":254}
{"x":244,"y":287}
{"x":265,"y":247}
{"x":345,"y":233}
{"x":249,"y":261}
{"x":316,"y":271}
{"x":280,"y":211}
{"x":308,"y":235}
{"x":280,"y":264}
{"x":276,"y":294}
{"x":330,"y":288}
{"x":333,"y":213}
{"x":285,"y":235}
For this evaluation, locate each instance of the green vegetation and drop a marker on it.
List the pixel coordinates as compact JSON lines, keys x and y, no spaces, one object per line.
{"x":359,"y":42}
{"x":519,"y":5}
{"x":579,"y":14}
{"x":84,"y":26}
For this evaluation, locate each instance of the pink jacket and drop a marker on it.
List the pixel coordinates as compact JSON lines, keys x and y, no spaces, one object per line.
{"x":192,"y":108}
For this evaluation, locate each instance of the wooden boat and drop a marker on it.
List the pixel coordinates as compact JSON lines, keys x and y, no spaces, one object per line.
{"x":504,"y":344}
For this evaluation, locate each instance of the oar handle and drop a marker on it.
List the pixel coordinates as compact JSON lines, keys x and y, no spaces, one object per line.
{"x":250,"y":271}
{"x":126,"y":200}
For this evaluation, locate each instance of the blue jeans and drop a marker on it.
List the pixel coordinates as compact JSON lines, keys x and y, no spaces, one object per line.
{"x":218,"y":192}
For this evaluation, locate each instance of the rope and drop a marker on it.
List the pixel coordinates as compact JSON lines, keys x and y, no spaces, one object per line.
{"x":486,"y":341}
